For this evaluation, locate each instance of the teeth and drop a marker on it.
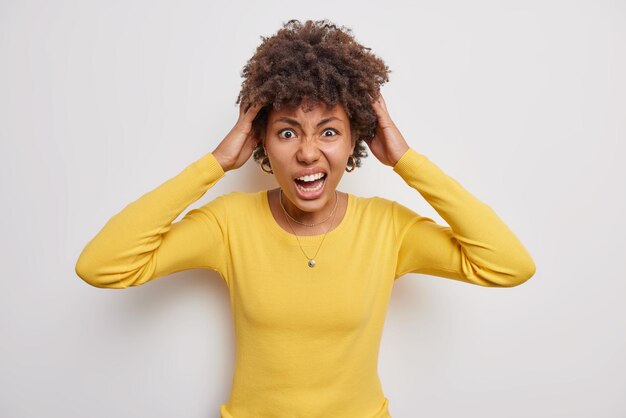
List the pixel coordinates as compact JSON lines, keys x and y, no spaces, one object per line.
{"x":311,"y":177}
{"x":311,"y":189}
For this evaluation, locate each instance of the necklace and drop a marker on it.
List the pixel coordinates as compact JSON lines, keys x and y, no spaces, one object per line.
{"x":311,"y":262}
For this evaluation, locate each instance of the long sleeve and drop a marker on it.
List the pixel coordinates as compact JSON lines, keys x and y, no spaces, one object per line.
{"x":477,"y":247}
{"x":140,"y":243}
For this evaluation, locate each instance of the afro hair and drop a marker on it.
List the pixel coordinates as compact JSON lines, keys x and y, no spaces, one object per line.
{"x":319,"y":61}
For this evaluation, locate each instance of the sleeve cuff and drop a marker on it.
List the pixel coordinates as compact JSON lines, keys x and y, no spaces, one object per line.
{"x":209,"y":166}
{"x":409,"y":162}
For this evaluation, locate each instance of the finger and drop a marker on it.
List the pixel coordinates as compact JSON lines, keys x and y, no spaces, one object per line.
{"x":377,"y":98}
{"x":381,"y":112}
{"x":384,"y":119}
{"x":377,"y":104}
{"x":381,"y":100}
{"x":252,"y":110}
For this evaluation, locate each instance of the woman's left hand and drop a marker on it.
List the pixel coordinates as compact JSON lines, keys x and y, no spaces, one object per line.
{"x":388,"y":144}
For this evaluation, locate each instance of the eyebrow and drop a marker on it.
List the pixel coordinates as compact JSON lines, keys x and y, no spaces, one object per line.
{"x":294,"y":122}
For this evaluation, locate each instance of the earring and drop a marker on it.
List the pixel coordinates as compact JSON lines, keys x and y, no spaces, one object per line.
{"x":265,"y":165}
{"x":351,"y":164}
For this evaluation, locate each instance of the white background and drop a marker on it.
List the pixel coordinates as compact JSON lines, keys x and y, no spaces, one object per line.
{"x":522,"y":102}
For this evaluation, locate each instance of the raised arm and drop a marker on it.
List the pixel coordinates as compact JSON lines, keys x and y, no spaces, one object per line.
{"x":477,"y":247}
{"x":140,"y":243}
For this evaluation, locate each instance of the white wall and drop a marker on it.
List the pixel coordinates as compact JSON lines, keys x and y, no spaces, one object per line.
{"x":523,"y":103}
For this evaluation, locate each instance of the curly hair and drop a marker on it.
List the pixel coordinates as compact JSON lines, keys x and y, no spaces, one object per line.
{"x":321,"y":62}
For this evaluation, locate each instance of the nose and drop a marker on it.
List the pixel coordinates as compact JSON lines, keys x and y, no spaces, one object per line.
{"x":308,"y":152}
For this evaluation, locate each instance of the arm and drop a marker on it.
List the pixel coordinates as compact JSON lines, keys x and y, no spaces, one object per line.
{"x":477,"y":248}
{"x":141,"y":243}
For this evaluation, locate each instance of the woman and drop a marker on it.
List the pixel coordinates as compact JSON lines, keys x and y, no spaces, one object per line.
{"x":309,"y":269}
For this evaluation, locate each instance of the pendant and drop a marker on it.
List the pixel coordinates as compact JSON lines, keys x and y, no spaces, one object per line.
{"x":311,"y":263}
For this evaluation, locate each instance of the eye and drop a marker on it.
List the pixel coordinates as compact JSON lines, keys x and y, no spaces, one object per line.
{"x":330,"y":130}
{"x":289,"y":131}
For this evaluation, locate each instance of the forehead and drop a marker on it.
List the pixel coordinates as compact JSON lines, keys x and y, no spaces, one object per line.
{"x":321,"y":110}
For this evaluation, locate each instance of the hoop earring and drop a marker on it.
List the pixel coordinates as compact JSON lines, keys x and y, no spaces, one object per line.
{"x":265,"y":166}
{"x":351,"y":164}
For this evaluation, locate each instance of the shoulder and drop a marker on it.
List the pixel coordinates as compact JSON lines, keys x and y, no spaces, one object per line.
{"x":237,"y":198}
{"x":376,"y":215}
{"x":372,"y":203}
{"x":233,"y":204}
{"x":380,"y":209}
{"x":373,"y":207}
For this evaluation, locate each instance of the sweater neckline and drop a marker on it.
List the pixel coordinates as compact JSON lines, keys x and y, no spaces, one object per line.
{"x":274,"y":226}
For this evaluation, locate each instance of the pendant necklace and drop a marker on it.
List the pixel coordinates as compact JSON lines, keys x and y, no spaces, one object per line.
{"x":311,"y":263}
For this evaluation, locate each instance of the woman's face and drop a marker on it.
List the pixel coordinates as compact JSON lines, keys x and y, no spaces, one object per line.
{"x":308,"y":152}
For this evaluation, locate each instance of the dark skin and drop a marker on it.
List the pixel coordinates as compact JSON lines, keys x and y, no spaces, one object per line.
{"x":388,"y":145}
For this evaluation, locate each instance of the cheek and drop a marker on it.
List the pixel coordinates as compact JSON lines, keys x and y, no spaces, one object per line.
{"x":280,"y":159}
{"x":279,"y":154}
{"x":338,"y":152}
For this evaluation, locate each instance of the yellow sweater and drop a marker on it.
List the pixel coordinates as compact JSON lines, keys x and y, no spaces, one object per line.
{"x":307,"y":339}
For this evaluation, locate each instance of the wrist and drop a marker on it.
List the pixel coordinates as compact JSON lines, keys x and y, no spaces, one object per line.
{"x":221,"y":160}
{"x":402,"y":150}
{"x":410,"y":161}
{"x":209,"y":165}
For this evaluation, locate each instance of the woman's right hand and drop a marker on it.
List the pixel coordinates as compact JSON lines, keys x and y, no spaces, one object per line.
{"x":238,"y":145}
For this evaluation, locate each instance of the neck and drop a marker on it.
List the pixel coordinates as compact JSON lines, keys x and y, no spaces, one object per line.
{"x":299,"y":215}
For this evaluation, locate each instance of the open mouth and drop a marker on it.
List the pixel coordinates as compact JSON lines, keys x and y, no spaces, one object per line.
{"x":311,"y":183}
